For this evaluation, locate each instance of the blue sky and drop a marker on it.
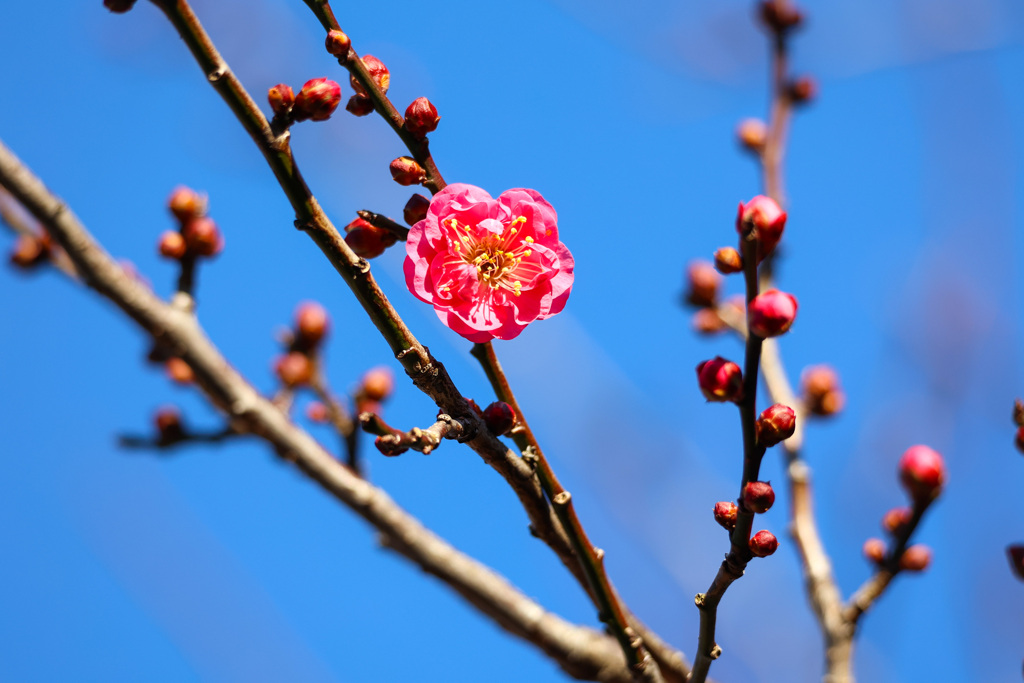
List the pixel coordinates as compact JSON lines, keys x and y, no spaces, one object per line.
{"x":220,"y":564}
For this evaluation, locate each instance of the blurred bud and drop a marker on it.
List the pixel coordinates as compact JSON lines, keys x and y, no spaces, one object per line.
{"x":378,"y":383}
{"x":771,"y":313}
{"x":389,"y":448}
{"x":775,"y":424}
{"x":338,"y":44}
{"x":317,"y":100}
{"x":421,"y":117}
{"x":415,"y":209}
{"x":317,"y":412}
{"x":758,"y":496}
{"x":360,"y":105}
{"x":203,"y":237}
{"x":294,"y":369}
{"x":896,"y":519}
{"x":179,"y":371}
{"x":1019,"y":440}
{"x":720,"y":380}
{"x":821,"y":392}
{"x":379,"y":74}
{"x":499,"y":418}
{"x":406,"y":171}
{"x":752,"y":134}
{"x":168,"y":424}
{"x":874,"y":550}
{"x":766,"y":219}
{"x":1016,"y":555}
{"x":172,"y":245}
{"x":366,"y":239}
{"x":118,"y":6}
{"x":725,"y":514}
{"x":916,"y":558}
{"x":803,"y":90}
{"x":1018,"y":413}
{"x":728,"y":261}
{"x":779,"y":16}
{"x":707,"y":321}
{"x":702,"y":281}
{"x":186,"y":204}
{"x":763,"y":544}
{"x":311,"y":323}
{"x":29,"y":251}
{"x":281,"y":99}
{"x":922,"y":473}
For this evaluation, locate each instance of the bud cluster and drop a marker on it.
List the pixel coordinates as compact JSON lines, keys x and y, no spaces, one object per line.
{"x":197,"y":234}
{"x":317,"y":100}
{"x":296,"y":366}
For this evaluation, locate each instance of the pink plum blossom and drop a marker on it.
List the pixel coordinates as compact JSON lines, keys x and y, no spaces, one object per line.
{"x":489,"y":267}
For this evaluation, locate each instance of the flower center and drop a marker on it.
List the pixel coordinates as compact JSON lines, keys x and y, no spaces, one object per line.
{"x":497,"y":258}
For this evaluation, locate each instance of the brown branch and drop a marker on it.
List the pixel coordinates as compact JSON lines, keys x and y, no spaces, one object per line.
{"x":580,"y":651}
{"x":139,"y":442}
{"x":393,"y":441}
{"x":384,"y":223}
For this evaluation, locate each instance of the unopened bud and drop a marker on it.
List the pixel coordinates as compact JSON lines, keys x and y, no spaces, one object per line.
{"x":168,"y":424}
{"x":379,"y":74}
{"x":1019,"y":440}
{"x":725,"y":514}
{"x":421,"y":117}
{"x":281,"y":98}
{"x":895,"y":520}
{"x":186,"y":204}
{"x":179,"y":371}
{"x":758,"y":496}
{"x":1015,"y":553}
{"x":916,"y":558}
{"x":702,"y":284}
{"x":317,"y":412}
{"x":406,"y":171}
{"x":1018,"y":413}
{"x":720,"y":380}
{"x":821,"y":392}
{"x":359,"y":105}
{"x":752,"y":134}
{"x":803,"y":90}
{"x":29,"y":251}
{"x":119,"y":6}
{"x":172,"y":245}
{"x":338,"y":43}
{"x":771,"y":313}
{"x":707,"y":321}
{"x":766,"y":219}
{"x":203,"y":237}
{"x":378,"y":383}
{"x":294,"y":369}
{"x":874,"y":550}
{"x":728,"y":261}
{"x":779,"y":16}
{"x":763,"y":544}
{"x":499,"y":418}
{"x":415,"y":209}
{"x":311,"y":323}
{"x":317,"y":100}
{"x":366,"y":239}
{"x":922,"y":473}
{"x":775,"y":424}
{"x":388,"y":447}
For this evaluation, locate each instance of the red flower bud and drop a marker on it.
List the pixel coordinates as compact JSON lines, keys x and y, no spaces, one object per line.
{"x":916,"y":558}
{"x":311,"y":323}
{"x":752,"y":134}
{"x":775,"y":424}
{"x":317,"y":100}
{"x":378,"y":73}
{"x":378,"y":383}
{"x":172,"y":245}
{"x":1016,"y":555}
{"x":421,"y":117}
{"x":720,"y":380}
{"x":168,"y":424}
{"x":894,"y":520}
{"x":874,"y":550}
{"x":415,"y":209}
{"x":763,"y":216}
{"x":922,"y":472}
{"x":822,"y":394}
{"x":702,"y":284}
{"x":499,"y":418}
{"x":707,"y":321}
{"x":281,"y":99}
{"x":803,"y":90}
{"x":763,"y":544}
{"x":771,"y":313}
{"x":338,"y":44}
{"x":725,"y":514}
{"x":203,"y":237}
{"x":406,"y":171}
{"x":779,"y":16}
{"x":758,"y":496}
{"x":359,"y":105}
{"x":367,"y":240}
{"x":728,"y":260}
{"x":317,"y":412}
{"x":118,"y":6}
{"x":186,"y":204}
{"x":1019,"y":440}
{"x":294,"y":369}
{"x":179,"y":371}
{"x":29,"y":251}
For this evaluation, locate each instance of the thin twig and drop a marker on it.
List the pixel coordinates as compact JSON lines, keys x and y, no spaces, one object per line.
{"x":393,"y":441}
{"x":384,"y":223}
{"x":139,"y":442}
